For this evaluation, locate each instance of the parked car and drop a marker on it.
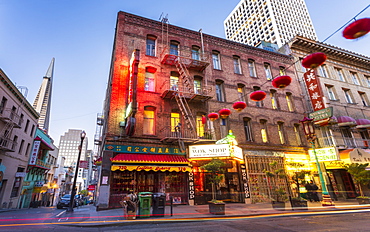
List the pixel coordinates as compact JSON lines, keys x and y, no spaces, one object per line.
{"x":64,"y":202}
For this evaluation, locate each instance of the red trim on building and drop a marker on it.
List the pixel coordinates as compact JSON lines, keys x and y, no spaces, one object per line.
{"x":143,"y":158}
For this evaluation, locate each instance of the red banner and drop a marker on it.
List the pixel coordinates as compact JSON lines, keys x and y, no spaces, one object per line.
{"x":314,"y":90}
{"x":83,"y":164}
{"x":91,"y":187}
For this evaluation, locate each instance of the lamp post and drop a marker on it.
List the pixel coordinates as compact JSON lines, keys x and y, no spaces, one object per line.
{"x":73,"y":191}
{"x":309,"y":131}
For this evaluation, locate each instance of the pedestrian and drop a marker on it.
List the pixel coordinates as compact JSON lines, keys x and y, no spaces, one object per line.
{"x":314,"y":188}
{"x":309,"y":191}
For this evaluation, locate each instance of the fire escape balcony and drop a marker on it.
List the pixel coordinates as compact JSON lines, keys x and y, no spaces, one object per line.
{"x":6,"y":144}
{"x":189,"y":63}
{"x":169,"y":135}
{"x":199,"y":94}
{"x":9,"y":116}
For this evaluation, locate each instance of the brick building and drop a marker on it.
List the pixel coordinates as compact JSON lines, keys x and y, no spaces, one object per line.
{"x":163,"y":83}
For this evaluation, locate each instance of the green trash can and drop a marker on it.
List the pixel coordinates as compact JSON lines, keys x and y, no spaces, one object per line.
{"x":145,"y":202}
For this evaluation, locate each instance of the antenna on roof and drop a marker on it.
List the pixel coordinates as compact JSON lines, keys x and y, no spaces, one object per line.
{"x":164,"y":19}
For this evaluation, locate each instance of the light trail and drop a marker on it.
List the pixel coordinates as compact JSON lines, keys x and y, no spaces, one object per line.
{"x":192,"y":219}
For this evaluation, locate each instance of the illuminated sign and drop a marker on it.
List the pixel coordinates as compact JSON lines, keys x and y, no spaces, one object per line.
{"x":208,"y":151}
{"x":314,"y":89}
{"x":321,"y":114}
{"x":35,"y":151}
{"x":144,"y":149}
{"x":324,"y":154}
{"x":359,"y":156}
{"x":150,"y":168}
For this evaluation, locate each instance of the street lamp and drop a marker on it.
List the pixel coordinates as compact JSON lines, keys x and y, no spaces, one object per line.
{"x":73,"y":193}
{"x":309,"y":131}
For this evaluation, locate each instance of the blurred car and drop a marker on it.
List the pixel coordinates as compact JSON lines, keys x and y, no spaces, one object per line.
{"x":64,"y":202}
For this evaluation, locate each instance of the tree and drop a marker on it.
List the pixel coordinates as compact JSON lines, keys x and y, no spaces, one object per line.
{"x":215,"y":167}
{"x":299,"y":175}
{"x":274,"y":175}
{"x":360,"y":175}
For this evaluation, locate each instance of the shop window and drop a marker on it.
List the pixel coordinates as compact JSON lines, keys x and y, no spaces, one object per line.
{"x":149,"y":120}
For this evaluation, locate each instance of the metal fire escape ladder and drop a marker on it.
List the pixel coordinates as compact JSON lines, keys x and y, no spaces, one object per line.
{"x":5,"y":134}
{"x":185,"y":111}
{"x":185,"y":78}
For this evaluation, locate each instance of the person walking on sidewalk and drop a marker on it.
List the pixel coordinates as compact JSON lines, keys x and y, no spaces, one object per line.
{"x":314,"y":189}
{"x":309,"y":191}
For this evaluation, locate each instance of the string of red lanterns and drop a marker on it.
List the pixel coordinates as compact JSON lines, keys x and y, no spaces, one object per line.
{"x":314,"y":60}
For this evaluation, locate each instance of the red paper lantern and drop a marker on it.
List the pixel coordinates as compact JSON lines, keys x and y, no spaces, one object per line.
{"x":281,"y":82}
{"x":258,"y":95}
{"x":212,"y":116}
{"x":314,"y":60}
{"x":224,"y":113}
{"x":204,"y":120}
{"x":239,"y":106}
{"x":357,"y":29}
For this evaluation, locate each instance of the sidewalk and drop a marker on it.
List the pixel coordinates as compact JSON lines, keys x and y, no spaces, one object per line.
{"x":199,"y":212}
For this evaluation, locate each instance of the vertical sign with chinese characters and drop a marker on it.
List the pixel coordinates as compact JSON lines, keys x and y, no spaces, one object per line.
{"x":245,"y":182}
{"x":191,"y":186}
{"x":35,"y":151}
{"x":314,"y":89}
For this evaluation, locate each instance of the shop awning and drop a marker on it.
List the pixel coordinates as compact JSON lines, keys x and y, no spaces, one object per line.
{"x":355,"y":155}
{"x":44,"y":145}
{"x":150,"y":159}
{"x":150,"y":168}
{"x":346,"y":121}
{"x":362,"y":123}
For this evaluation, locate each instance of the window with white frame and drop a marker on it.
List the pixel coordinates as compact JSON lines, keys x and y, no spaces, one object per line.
{"x":174,"y":48}
{"x":323,"y":71}
{"x":252,"y":68}
{"x":355,"y":78}
{"x":264,"y":135}
{"x":274,"y":99}
{"x":174,"y":81}
{"x":289,"y":101}
{"x":367,"y":80}
{"x":331,"y":92}
{"x":216,"y":60}
{"x":267,"y":68}
{"x":348,"y":95}
{"x":282,"y":70}
{"x":149,"y":84}
{"x":241,"y":92}
{"x":195,"y":54}
{"x":237,"y":68}
{"x":340,"y":74}
{"x":364,"y":99}
{"x":280,"y":127}
{"x":219,"y":91}
{"x":149,"y":120}
{"x":197,"y":85}
{"x":175,"y":120}
{"x":248,"y":129}
{"x":150,"y":45}
{"x":258,"y":103}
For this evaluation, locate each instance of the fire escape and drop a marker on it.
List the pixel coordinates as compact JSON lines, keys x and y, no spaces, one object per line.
{"x":11,"y":120}
{"x":184,"y":93}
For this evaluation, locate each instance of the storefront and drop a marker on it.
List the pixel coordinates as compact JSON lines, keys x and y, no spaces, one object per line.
{"x":160,"y":170}
{"x":233,"y":186}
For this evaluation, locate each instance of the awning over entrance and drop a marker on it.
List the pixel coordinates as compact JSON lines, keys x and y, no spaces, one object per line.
{"x":150,"y":159}
{"x":356,"y":155}
{"x":150,"y":168}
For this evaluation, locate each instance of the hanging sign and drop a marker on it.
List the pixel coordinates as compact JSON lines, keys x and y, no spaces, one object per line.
{"x":245,"y":182}
{"x":314,"y":89}
{"x":35,"y":151}
{"x":191,"y":186}
{"x":324,"y":154}
{"x":209,"y":151}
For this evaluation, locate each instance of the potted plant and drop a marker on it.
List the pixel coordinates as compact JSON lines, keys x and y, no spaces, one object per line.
{"x":298,"y":178}
{"x":275,"y":176}
{"x":215,"y":168}
{"x":360,"y":176}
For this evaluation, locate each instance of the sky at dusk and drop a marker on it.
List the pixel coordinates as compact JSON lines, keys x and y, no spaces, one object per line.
{"x":79,"y":35}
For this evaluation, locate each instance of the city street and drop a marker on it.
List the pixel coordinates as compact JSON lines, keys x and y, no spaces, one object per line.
{"x":84,"y":219}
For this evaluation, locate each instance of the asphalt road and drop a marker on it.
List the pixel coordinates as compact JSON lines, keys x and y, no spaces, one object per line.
{"x":46,"y":219}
